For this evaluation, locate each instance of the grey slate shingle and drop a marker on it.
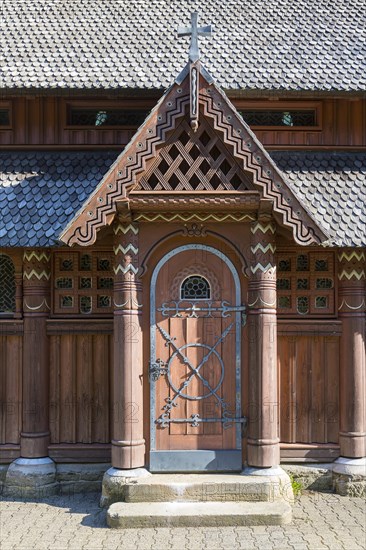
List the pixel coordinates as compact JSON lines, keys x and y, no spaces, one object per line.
{"x":333,"y":187}
{"x":36,"y":203}
{"x":257,"y":44}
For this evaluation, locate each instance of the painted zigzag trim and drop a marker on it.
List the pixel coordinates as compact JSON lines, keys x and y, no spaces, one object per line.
{"x":28,"y":255}
{"x":126,"y":269}
{"x":125,"y":229}
{"x":349,"y":274}
{"x":263,"y":249}
{"x":34,"y":273}
{"x":124,"y":250}
{"x":263,"y":228}
{"x":352,"y":255}
{"x":263,"y":268}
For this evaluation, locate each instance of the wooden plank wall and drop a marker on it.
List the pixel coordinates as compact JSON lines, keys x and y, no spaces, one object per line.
{"x":80,"y":378}
{"x":42,"y":121}
{"x":11,"y":350}
{"x":309,"y":388}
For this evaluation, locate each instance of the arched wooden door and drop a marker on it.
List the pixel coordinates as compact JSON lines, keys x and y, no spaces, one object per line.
{"x":195,"y":322}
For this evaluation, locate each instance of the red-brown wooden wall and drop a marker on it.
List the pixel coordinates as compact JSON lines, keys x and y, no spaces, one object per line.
{"x":42,"y":121}
{"x":80,"y":397}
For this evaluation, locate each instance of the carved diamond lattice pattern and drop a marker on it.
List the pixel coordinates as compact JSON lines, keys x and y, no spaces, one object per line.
{"x":195,"y":161}
{"x":7,"y":285}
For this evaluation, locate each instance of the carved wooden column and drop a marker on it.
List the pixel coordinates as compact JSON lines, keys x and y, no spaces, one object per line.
{"x":352,"y":307}
{"x":263,"y":440}
{"x":128,"y":444}
{"x":35,"y":435}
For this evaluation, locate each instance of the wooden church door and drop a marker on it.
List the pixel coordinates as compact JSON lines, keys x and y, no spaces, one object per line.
{"x":195,"y":323}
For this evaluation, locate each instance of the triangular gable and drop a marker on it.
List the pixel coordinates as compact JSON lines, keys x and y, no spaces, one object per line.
{"x":154,"y":134}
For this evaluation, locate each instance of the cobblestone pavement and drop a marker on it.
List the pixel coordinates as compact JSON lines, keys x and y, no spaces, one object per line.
{"x":75,"y":522}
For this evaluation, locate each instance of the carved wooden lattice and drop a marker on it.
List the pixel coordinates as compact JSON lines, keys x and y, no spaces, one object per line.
{"x":83,"y":283}
{"x":305,"y":283}
{"x":7,"y":285}
{"x":194,"y":161}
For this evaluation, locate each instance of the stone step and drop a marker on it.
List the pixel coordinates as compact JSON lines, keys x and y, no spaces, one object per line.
{"x":208,"y":487}
{"x":123,"y":515}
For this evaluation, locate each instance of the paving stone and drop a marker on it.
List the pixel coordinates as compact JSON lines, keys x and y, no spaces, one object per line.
{"x":28,"y":525}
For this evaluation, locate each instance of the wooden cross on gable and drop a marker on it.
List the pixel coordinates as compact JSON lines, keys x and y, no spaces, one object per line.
{"x":194,"y":54}
{"x":194,"y":32}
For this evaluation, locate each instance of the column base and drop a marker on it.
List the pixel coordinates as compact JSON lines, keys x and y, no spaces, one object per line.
{"x":115,"y":481}
{"x":281,"y":486}
{"x":31,"y":478}
{"x":349,"y":476}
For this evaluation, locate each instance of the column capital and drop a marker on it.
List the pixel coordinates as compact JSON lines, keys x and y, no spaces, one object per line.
{"x":127,"y":286}
{"x":352,"y":275}
{"x":262,"y":279}
{"x":36,"y":281}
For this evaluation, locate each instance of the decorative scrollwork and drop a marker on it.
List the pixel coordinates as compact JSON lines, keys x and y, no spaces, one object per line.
{"x":157,"y":368}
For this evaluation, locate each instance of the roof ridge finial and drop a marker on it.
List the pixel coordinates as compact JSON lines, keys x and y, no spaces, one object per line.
{"x":194,"y":32}
{"x":193,"y":66}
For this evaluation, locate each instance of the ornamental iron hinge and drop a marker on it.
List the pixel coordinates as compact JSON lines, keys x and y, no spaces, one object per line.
{"x":157,"y":368}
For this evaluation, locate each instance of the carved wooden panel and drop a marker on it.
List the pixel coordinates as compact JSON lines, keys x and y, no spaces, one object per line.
{"x":80,"y":388}
{"x":309,"y":388}
{"x":11,"y":351}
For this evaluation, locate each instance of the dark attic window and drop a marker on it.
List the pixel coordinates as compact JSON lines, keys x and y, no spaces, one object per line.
{"x":279,"y":117}
{"x":4,"y":117}
{"x":100,"y":117}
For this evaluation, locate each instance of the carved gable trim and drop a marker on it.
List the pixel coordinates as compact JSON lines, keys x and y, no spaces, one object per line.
{"x":100,"y":207}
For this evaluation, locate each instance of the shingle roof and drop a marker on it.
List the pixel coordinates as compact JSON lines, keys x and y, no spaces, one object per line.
{"x":333,"y":187}
{"x":118,"y":44}
{"x":41,"y":191}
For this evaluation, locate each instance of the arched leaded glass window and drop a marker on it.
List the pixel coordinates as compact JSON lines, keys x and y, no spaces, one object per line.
{"x":195,"y":287}
{"x":7,"y":285}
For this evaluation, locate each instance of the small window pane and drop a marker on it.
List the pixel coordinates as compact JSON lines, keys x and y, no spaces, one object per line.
{"x":283,"y":284}
{"x":4,"y":117}
{"x":85,"y":282}
{"x":104,"y":264}
{"x":284,"y":265}
{"x":67,"y":301}
{"x":321,"y":302}
{"x":85,"y":304}
{"x":105,"y":282}
{"x":85,"y":262}
{"x":324,"y":283}
{"x":67,"y":265}
{"x":303,"y":305}
{"x":302,"y":284}
{"x":195,"y":288}
{"x":302,"y":263}
{"x":104,"y":301}
{"x":284,"y":302}
{"x":64,"y":282}
{"x":321,"y":265}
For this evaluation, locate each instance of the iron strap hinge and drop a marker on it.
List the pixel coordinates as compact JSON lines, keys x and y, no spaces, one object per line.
{"x":157,"y":368}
